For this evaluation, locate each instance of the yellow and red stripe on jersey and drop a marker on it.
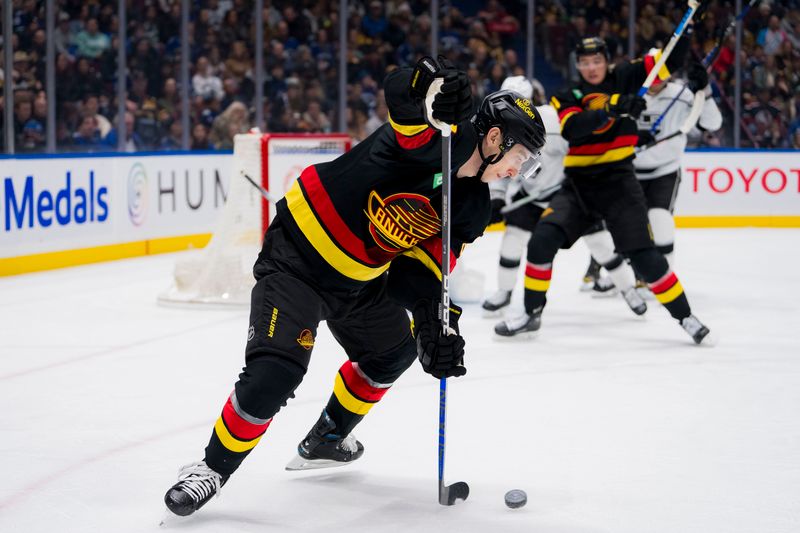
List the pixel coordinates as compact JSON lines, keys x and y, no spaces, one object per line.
{"x":316,"y":216}
{"x":596,"y":153}
{"x":238,"y":431}
{"x":564,"y":114}
{"x":537,"y":277}
{"x":429,"y":253}
{"x":667,"y":289}
{"x":355,"y":391}
{"x":411,"y":136}
{"x":650,"y":61}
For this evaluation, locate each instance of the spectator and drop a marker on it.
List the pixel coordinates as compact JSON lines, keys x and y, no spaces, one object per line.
{"x":133,"y":142}
{"x":374,"y":24}
{"x":314,"y":120}
{"x":232,"y":121}
{"x":205,"y":83}
{"x":200,"y":138}
{"x":87,"y":137}
{"x":381,"y":114}
{"x":91,"y":106}
{"x":90,"y":42}
{"x":772,"y":36}
{"x":173,"y":140}
{"x":63,"y":37}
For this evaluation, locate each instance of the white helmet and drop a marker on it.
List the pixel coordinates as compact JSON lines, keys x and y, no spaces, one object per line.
{"x":518,"y":84}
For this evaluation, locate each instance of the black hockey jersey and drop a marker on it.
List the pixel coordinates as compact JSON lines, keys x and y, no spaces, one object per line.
{"x":380,"y":203}
{"x":594,"y":137}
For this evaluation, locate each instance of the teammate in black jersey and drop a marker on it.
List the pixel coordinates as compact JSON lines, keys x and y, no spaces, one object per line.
{"x":598,"y":119}
{"x":356,"y":242}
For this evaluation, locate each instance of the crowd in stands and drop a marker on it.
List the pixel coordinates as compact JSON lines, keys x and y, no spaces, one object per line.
{"x":301,"y":63}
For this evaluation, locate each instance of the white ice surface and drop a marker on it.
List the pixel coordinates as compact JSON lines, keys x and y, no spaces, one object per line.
{"x":611,"y":423}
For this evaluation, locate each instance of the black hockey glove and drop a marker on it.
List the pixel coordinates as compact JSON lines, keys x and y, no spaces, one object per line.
{"x":441,"y":355}
{"x":625,"y":105}
{"x":698,"y":77}
{"x":453,"y":103}
{"x":497,"y":216}
{"x":645,"y":138}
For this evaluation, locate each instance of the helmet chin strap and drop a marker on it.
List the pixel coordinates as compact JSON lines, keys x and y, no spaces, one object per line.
{"x":486,"y":161}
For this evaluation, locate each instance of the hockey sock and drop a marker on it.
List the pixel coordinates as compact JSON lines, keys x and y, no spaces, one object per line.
{"x":542,"y":249}
{"x":601,"y":246}
{"x":514,"y":241}
{"x":662,"y":281}
{"x":354,"y":394}
{"x":249,"y":410}
{"x":663,"y":226}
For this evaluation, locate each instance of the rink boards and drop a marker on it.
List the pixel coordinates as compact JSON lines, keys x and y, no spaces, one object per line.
{"x":67,"y":210}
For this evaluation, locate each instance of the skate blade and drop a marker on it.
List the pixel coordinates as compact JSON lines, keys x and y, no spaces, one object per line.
{"x":170,"y":519}
{"x":519,"y":337}
{"x":301,"y":463}
{"x":709,"y":341}
{"x":486,"y":313}
{"x":610,"y":293}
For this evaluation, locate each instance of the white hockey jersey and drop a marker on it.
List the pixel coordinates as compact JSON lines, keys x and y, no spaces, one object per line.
{"x":551,"y":173}
{"x":665,"y":158}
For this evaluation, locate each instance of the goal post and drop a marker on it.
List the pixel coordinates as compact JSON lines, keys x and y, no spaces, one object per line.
{"x":220,"y":275}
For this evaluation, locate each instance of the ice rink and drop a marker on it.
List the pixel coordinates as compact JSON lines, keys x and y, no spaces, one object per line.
{"x":610,"y":422}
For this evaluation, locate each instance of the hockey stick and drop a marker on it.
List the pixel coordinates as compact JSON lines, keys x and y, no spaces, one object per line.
{"x":693,"y":5}
{"x":689,"y":122}
{"x":264,"y":192}
{"x":448,"y":494}
{"x":516,"y":204}
{"x":707,"y":62}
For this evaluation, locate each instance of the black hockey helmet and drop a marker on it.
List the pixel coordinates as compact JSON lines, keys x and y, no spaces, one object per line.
{"x":591,"y":45}
{"x":516,"y":117}
{"x":518,"y":120}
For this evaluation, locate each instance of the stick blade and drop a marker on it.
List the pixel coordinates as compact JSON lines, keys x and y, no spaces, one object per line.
{"x":450,"y":493}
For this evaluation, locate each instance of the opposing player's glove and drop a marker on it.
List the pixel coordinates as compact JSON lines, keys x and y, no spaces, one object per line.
{"x":453,"y":102}
{"x":497,"y":216}
{"x":698,"y":77}
{"x":625,"y":105}
{"x":441,"y":355}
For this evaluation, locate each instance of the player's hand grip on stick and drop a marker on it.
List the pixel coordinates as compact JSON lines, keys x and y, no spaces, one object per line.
{"x":625,"y":105}
{"x":441,"y":355}
{"x":445,"y":90}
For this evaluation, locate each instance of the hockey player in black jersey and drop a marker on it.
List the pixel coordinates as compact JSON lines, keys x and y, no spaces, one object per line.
{"x":598,"y":119}
{"x":356,"y":242}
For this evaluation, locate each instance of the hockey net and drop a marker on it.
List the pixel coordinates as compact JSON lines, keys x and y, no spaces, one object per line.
{"x":221,"y":274}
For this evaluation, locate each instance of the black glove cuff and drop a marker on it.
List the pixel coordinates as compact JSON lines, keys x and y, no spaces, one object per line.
{"x":424,"y":73}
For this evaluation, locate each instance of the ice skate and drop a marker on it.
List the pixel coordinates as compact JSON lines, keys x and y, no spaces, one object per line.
{"x":604,"y":287}
{"x":644,"y":291}
{"x":197,"y":483}
{"x":590,"y":278}
{"x":524,"y":325}
{"x":322,"y":448}
{"x":700,"y":333}
{"x":634,"y":301}
{"x":493,"y":304}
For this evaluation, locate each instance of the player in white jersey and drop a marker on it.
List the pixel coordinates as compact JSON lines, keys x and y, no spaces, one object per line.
{"x":658,"y":166}
{"x":532,"y":196}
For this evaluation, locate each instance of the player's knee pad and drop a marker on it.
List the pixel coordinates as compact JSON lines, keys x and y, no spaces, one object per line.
{"x":601,"y":246}
{"x":266,"y":383}
{"x":545,"y":243}
{"x":649,"y":264}
{"x":513,"y":245}
{"x":385,"y":368}
{"x":663,"y":226}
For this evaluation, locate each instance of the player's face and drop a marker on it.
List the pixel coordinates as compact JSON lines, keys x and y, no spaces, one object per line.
{"x":593,"y":68}
{"x":518,"y":161}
